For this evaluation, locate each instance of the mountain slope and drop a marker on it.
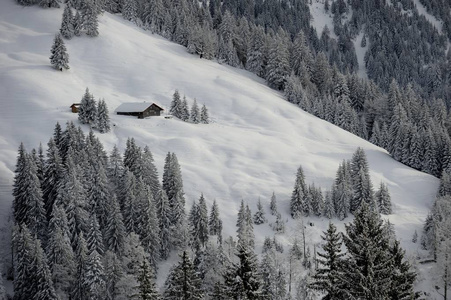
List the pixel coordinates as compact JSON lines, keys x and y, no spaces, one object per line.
{"x":253,"y":147}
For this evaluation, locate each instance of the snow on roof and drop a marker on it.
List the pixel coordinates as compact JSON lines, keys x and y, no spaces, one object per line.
{"x":133,"y":107}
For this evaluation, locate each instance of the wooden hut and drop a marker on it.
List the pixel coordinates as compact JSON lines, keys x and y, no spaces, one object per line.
{"x":75,"y":107}
{"x":139,"y":109}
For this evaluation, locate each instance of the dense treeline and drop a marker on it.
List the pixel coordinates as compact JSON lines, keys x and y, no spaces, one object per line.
{"x":89,"y":225}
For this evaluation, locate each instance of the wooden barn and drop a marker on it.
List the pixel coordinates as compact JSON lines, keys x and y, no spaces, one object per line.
{"x":75,"y":107}
{"x":139,"y":109}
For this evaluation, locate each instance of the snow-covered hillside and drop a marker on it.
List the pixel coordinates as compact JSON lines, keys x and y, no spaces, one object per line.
{"x":253,"y":147}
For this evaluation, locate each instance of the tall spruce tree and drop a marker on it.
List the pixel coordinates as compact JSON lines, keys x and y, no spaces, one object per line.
{"x":147,"y":288}
{"x":361,"y":181}
{"x":383,"y":200}
{"x":102,"y":119}
{"x":298,"y":202}
{"x":215,"y":222}
{"x":195,"y":113}
{"x":67,"y":23}
{"x":204,"y":117}
{"x":59,"y":57}
{"x":87,"y":112}
{"x":183,"y":282}
{"x":328,"y":274}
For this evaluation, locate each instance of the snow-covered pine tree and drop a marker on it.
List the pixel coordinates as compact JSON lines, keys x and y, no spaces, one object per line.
{"x":149,"y":172}
{"x":94,"y":237}
{"x":278,"y":68}
{"x":114,"y":232}
{"x":130,"y":10}
{"x":176,"y":105}
{"x":298,"y":203}
{"x":132,"y":157}
{"x":215,"y":222}
{"x":67,"y":23}
{"x":28,"y":205}
{"x":259,"y":216}
{"x":185,"y":116}
{"x":61,"y":258}
{"x":195,"y":113}
{"x":279,"y":224}
{"x":202,"y":222}
{"x":362,"y":186}
{"x":273,"y":204}
{"x":130,"y":209}
{"x":242,"y":280}
{"x":53,"y":174}
{"x":369,"y":258}
{"x":78,"y":24}
{"x":87,"y":111}
{"x":103,"y":119}
{"x":164,"y":223}
{"x":41,"y":273}
{"x":204,"y":118}
{"x":329,"y":208}
{"x":182,"y":281}
{"x":342,"y":192}
{"x":81,"y":289}
{"x":59,"y":58}
{"x":317,"y":202}
{"x":90,"y":22}
{"x":327,"y":275}
{"x":147,"y":288}
{"x":94,"y":277}
{"x":383,"y":200}
{"x":113,"y":274}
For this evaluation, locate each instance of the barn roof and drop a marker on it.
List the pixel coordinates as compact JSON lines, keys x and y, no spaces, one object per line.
{"x":135,"y":106}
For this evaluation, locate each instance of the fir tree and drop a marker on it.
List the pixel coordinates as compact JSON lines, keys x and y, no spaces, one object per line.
{"x":164,"y":223}
{"x":130,"y":10}
{"x":204,"y":117}
{"x":176,"y":105}
{"x":53,"y":175}
{"x":298,"y":204}
{"x":369,"y":261}
{"x":327,"y":275}
{"x":103,"y":119}
{"x":215,"y":222}
{"x":242,"y":280}
{"x":362,"y":186}
{"x":114,"y":232}
{"x":78,"y":24}
{"x":147,"y":288}
{"x":182,"y":281}
{"x":113,"y":274}
{"x":329,"y":209}
{"x":402,"y":278}
{"x":59,"y":58}
{"x":185,"y":116}
{"x":90,"y":22}
{"x":67,"y":24}
{"x":273,"y":205}
{"x":279,"y":225}
{"x":149,"y":172}
{"x":81,"y":289}
{"x":259,"y":216}
{"x":94,"y":277}
{"x":87,"y":112}
{"x":383,"y":200}
{"x":195,"y":113}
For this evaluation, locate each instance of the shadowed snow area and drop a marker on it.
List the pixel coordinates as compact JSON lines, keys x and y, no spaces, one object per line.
{"x":253,"y":146}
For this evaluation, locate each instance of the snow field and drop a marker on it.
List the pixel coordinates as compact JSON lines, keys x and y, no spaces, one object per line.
{"x":253,"y":146}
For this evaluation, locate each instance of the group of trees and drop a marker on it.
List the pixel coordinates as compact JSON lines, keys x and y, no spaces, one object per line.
{"x":89,"y":225}
{"x":95,"y":115}
{"x":352,"y":188}
{"x":373,"y":267}
{"x":179,"y":109}
{"x":436,"y":235}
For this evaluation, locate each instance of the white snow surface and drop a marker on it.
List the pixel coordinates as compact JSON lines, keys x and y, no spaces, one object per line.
{"x":133,"y":106}
{"x":253,"y":146}
{"x":321,"y":18}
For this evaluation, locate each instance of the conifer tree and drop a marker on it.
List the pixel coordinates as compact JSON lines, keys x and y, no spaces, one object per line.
{"x":327,"y":277}
{"x":298,"y":204}
{"x":215,"y":222}
{"x":185,"y":116}
{"x":81,"y":289}
{"x":273,"y":205}
{"x":28,"y":204}
{"x":114,"y":232}
{"x":78,"y":24}
{"x":242,"y":281}
{"x":149,"y":172}
{"x":90,"y":22}
{"x":383,"y":200}
{"x":94,"y":277}
{"x":113,"y":274}
{"x":130,"y":10}
{"x":94,"y":237}
{"x":370,"y":261}
{"x":278,"y":67}
{"x":204,"y":117}
{"x":59,"y":58}
{"x":147,"y":288}
{"x":182,"y":281}
{"x":329,"y":209}
{"x":103,"y":119}
{"x":403,"y":277}
{"x":149,"y":229}
{"x":195,"y":113}
{"x":259,"y":216}
{"x":67,"y":24}
{"x":176,"y":105}
{"x":87,"y":112}
{"x":164,"y":223}
{"x":53,"y":175}
{"x":362,"y":186}
{"x":279,"y":225}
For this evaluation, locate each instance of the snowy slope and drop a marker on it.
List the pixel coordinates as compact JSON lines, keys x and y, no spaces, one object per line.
{"x":253,"y":147}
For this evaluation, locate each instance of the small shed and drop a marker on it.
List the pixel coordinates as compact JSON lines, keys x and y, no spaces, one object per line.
{"x":75,"y":107}
{"x":139,"y":109}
